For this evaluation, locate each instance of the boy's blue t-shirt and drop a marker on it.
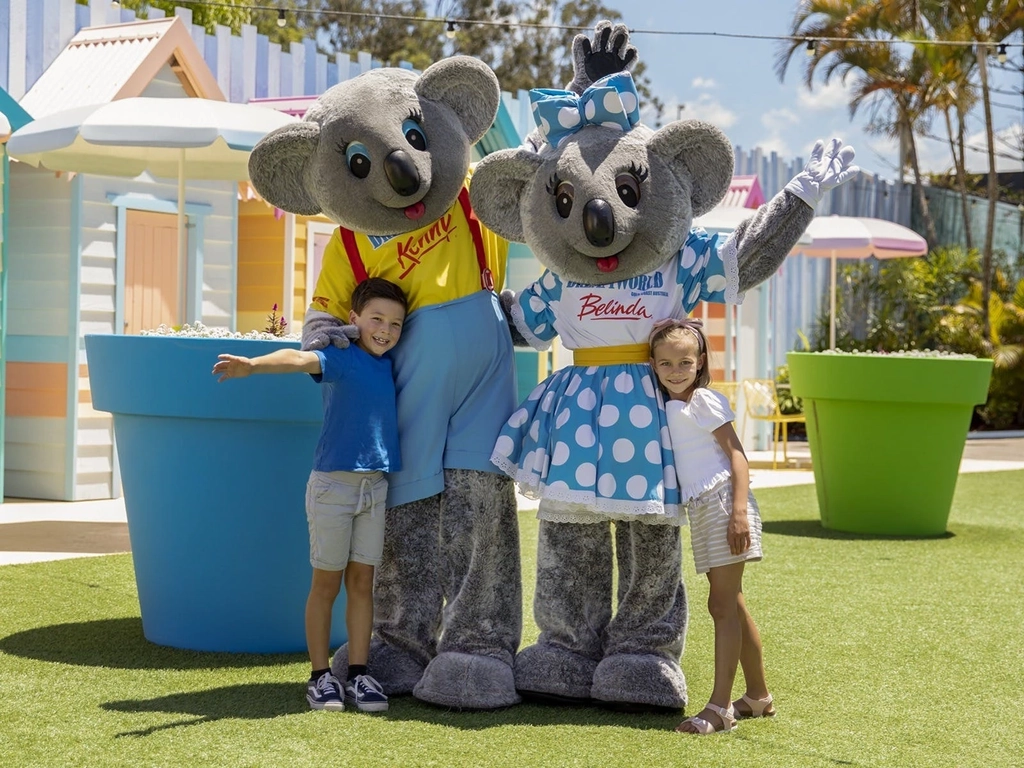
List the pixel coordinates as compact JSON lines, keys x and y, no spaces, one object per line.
{"x":360,"y":431}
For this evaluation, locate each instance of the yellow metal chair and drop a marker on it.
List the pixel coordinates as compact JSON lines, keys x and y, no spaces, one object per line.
{"x":762,"y":403}
{"x":730,"y":389}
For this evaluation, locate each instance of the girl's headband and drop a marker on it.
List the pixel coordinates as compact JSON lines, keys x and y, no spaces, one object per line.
{"x":692,"y":324}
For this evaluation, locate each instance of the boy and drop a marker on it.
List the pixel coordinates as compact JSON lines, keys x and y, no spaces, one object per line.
{"x":347,"y":488}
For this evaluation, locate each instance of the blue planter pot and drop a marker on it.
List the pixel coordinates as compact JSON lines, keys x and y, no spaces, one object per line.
{"x":214,"y":479}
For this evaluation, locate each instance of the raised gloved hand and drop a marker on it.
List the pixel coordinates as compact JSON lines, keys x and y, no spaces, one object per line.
{"x":825,"y":171}
{"x":610,"y":52}
{"x":321,"y":329}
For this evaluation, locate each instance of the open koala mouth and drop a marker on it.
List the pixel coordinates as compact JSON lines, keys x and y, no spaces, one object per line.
{"x":415,"y":211}
{"x":608,"y":263}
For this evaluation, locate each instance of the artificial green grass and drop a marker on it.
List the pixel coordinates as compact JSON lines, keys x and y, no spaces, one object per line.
{"x":880,"y":652}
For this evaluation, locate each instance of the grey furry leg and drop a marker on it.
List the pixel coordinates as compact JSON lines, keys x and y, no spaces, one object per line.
{"x":406,"y":598}
{"x":482,"y":617}
{"x":644,"y":640}
{"x":572,"y":606}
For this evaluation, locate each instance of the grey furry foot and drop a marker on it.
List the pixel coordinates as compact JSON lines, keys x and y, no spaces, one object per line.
{"x":465,"y":681}
{"x":550,"y":672}
{"x":394,"y":669}
{"x":634,"y":682}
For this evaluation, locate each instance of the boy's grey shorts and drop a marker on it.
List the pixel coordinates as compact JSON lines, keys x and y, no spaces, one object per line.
{"x":345,"y":511}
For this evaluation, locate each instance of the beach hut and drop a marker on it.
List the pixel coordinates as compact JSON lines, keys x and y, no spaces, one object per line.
{"x":84,"y":255}
{"x":12,"y":117}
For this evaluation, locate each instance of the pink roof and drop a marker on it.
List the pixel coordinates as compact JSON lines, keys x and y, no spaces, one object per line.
{"x":744,"y":192}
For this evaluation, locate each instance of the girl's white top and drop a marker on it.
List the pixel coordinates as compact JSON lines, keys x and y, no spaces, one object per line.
{"x":701,"y":464}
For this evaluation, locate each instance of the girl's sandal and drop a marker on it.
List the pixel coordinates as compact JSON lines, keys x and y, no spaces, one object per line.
{"x":757,"y":707}
{"x":704,"y":728}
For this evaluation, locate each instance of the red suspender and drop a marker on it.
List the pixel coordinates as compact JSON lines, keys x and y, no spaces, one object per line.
{"x":348,"y":239}
{"x":486,"y":278}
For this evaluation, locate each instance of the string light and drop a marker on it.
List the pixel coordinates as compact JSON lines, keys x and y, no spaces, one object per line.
{"x":812,"y":48}
{"x":281,"y":20}
{"x":450,"y":32}
{"x":811,"y":44}
{"x":1002,"y":53}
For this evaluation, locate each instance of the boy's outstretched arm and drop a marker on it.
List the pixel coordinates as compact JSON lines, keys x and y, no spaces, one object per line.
{"x":280,"y":361}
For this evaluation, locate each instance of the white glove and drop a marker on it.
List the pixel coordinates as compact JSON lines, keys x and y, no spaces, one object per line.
{"x":824,"y":171}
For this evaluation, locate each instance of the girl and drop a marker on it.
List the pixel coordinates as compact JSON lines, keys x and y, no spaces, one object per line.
{"x":725,"y":525}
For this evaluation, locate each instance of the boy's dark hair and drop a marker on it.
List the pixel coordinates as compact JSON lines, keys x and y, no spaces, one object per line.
{"x":377,"y":288}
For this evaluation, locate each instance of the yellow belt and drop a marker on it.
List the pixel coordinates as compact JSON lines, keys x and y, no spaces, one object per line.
{"x":618,"y":355}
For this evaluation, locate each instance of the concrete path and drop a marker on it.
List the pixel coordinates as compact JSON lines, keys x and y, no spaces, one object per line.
{"x":33,"y":531}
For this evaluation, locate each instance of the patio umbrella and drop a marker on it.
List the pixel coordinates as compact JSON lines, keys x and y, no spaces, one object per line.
{"x":856,"y":237}
{"x":172,"y":137}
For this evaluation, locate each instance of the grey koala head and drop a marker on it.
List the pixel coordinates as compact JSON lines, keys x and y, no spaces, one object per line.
{"x":605,"y":205}
{"x":385,"y":152}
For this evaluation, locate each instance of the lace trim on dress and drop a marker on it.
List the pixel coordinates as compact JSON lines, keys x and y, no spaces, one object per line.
{"x":520,"y":320}
{"x":732,"y":271}
{"x":581,"y":504}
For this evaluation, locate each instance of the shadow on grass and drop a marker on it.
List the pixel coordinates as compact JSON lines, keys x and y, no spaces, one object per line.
{"x":263,"y":701}
{"x":120,"y":644}
{"x":814,"y":529}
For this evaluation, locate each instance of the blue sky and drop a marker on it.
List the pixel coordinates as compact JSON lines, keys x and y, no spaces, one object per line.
{"x":732,"y":83}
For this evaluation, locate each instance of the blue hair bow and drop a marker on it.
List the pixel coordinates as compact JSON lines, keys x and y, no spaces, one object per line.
{"x":612,"y":102}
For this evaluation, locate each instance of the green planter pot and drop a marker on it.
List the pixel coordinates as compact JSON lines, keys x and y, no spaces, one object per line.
{"x":886,"y":434}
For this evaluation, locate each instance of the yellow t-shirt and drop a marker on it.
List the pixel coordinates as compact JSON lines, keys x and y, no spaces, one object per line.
{"x":434,"y":264}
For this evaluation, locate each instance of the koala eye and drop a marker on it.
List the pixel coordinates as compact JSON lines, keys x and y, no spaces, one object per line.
{"x":628,"y":187}
{"x":564,"y":195}
{"x":414,"y":135}
{"x":358,"y":158}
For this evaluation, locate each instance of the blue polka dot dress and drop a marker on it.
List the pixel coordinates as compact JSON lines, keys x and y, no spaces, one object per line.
{"x":592,"y":442}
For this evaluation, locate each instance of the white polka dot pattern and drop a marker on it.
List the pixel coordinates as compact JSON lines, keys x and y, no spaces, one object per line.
{"x":598,"y":434}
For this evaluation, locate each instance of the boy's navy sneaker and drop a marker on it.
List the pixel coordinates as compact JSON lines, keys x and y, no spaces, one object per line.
{"x":365,"y":694}
{"x":325,"y":693}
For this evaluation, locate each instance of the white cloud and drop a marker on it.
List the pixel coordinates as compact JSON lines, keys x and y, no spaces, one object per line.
{"x":776,"y":143}
{"x":706,"y":83}
{"x":834,"y":95}
{"x":777,"y":120}
{"x":1008,"y":142}
{"x":706,"y":107}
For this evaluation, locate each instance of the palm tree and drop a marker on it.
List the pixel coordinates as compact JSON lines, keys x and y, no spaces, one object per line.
{"x":953,"y":93}
{"x":894,"y":83}
{"x":989,"y":22}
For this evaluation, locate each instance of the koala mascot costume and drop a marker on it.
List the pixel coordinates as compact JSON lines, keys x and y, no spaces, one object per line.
{"x":386,"y":156}
{"x":606,"y":205}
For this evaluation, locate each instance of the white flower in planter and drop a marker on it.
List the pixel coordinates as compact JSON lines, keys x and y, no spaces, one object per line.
{"x":923,"y":353}
{"x":200,"y":331}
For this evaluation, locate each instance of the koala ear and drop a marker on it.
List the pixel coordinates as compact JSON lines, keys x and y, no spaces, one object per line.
{"x":497,"y":188}
{"x":701,"y":152}
{"x":277,"y":167}
{"x":468,"y":87}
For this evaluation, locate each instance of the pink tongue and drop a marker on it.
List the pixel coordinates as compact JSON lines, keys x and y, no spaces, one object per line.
{"x":415,"y":211}
{"x":608,"y":263}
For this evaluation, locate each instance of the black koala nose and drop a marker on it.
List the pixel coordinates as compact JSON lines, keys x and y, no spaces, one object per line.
{"x":402,"y":173}
{"x":599,"y":222}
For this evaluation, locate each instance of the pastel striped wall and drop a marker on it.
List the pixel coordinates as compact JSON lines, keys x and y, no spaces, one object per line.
{"x":38,"y":333}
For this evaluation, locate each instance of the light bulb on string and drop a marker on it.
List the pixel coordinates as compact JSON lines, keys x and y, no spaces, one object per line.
{"x":450,"y":31}
{"x":1002,"y":53}
{"x":811,"y":47}
{"x":281,"y":20}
